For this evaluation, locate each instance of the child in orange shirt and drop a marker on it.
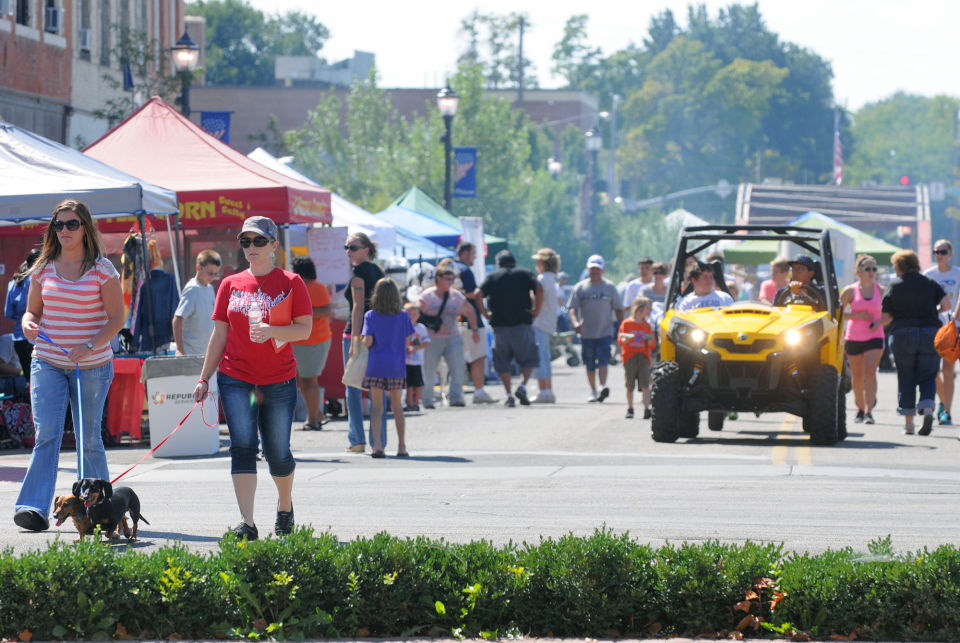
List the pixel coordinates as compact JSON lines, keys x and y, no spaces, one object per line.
{"x":637,"y":340}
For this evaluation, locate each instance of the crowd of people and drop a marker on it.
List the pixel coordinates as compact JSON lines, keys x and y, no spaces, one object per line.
{"x":265,"y":334}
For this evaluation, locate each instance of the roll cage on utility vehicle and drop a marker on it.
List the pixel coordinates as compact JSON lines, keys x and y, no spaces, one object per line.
{"x":748,"y":356}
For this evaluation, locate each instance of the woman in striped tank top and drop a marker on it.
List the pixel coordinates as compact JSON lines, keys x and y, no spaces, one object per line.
{"x":75,"y":299}
{"x":863,"y":338}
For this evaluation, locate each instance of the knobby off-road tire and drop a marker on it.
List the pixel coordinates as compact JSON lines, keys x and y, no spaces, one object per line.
{"x":667,"y":422}
{"x":715,"y":420}
{"x":823,"y":394}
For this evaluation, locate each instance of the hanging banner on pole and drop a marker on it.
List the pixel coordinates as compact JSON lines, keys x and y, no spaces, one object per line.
{"x":465,"y":172}
{"x":217,"y":124}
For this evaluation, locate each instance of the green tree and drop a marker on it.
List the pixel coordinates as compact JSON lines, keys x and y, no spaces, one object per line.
{"x":573,"y":58}
{"x":136,"y":52}
{"x":243,"y":44}
{"x":493,"y":42}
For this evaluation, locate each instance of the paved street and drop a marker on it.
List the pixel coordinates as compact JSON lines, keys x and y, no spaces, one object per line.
{"x":518,"y":474}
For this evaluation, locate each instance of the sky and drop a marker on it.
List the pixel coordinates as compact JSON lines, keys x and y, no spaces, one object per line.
{"x":876,"y":47}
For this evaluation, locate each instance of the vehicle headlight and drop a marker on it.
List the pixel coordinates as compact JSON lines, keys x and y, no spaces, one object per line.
{"x":687,"y":334}
{"x":805,"y":336}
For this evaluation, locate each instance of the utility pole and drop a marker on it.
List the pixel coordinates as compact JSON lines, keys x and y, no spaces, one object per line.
{"x":520,"y":66}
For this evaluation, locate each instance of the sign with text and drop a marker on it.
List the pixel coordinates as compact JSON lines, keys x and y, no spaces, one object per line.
{"x":464,"y":172}
{"x":325,"y":247}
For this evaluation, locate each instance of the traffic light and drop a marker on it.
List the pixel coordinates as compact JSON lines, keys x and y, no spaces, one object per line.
{"x":904,"y":180}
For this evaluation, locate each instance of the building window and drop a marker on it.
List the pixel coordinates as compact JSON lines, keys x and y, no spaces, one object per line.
{"x":23,"y":12}
{"x":123,"y":9}
{"x":106,"y":41}
{"x":84,"y":32}
{"x":51,"y":17}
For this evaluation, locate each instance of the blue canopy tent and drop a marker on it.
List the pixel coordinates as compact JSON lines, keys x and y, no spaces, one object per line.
{"x":421,"y":224}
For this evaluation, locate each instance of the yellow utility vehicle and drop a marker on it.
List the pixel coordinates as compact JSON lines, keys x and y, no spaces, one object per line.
{"x":748,"y":356}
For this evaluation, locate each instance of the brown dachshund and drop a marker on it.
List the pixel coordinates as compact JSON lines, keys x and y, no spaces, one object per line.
{"x":69,"y":506}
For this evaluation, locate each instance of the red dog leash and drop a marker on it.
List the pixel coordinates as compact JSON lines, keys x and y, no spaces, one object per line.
{"x":176,"y":428}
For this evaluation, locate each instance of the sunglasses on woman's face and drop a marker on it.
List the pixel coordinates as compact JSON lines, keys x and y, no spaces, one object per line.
{"x":72,"y":225}
{"x":869,"y":269}
{"x":942,"y":251}
{"x":257,"y":241}
{"x":352,"y":248}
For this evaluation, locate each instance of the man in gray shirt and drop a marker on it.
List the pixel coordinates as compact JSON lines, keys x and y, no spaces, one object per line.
{"x":594,"y":303}
{"x":192,"y":323}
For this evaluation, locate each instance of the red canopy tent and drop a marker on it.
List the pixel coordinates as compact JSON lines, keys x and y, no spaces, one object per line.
{"x":215,"y":184}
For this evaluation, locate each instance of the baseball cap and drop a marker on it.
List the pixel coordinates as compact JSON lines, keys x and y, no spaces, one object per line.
{"x":595,"y":261}
{"x":804,"y":260}
{"x":260,"y":225}
{"x":644,"y":260}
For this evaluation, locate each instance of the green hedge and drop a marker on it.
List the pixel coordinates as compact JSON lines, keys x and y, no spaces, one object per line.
{"x":607,"y":585}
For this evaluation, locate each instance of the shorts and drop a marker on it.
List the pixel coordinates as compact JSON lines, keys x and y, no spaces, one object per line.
{"x":311,"y":358}
{"x":414,"y":376}
{"x":472,"y":351}
{"x":596,"y":352}
{"x":637,"y":369}
{"x":386,"y":383}
{"x":514,"y":343}
{"x":853,"y":347}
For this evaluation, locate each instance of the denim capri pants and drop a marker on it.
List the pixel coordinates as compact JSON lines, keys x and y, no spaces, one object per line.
{"x":265,"y":410}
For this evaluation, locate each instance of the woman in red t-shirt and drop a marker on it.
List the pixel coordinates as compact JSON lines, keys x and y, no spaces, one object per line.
{"x":257,"y":365}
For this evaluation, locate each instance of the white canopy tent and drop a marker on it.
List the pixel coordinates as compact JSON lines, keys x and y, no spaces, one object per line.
{"x":37,"y":173}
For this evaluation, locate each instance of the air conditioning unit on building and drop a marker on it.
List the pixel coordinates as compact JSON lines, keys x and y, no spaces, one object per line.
{"x":52,"y":20}
{"x":83,"y":35}
{"x":6,"y":7}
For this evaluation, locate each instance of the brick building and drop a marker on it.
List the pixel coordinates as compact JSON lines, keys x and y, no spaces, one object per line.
{"x":54,"y":54}
{"x":252,"y":106}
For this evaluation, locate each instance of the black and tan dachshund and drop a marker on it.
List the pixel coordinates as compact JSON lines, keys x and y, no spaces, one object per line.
{"x":108,"y":507}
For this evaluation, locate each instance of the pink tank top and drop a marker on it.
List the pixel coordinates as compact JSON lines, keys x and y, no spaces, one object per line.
{"x":858,"y":330}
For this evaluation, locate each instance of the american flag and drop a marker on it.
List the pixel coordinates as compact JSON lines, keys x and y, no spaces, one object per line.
{"x":837,"y":150}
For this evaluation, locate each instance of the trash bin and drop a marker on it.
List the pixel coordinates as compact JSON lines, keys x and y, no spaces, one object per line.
{"x":170,"y":382}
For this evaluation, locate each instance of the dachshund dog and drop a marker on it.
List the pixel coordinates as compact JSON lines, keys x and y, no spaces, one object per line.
{"x":108,"y":507}
{"x":67,"y":506}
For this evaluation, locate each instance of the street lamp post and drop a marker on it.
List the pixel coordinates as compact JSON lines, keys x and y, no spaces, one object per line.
{"x":594,"y":143}
{"x":447,"y":102}
{"x":186,"y":53}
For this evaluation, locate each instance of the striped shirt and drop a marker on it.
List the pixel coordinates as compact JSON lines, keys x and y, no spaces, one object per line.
{"x":73,"y":313}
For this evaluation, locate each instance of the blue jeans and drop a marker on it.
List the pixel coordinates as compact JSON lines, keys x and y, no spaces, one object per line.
{"x":355,"y":410}
{"x":266,"y":410}
{"x":51,"y":388}
{"x":917,"y":366}
{"x":543,"y":371}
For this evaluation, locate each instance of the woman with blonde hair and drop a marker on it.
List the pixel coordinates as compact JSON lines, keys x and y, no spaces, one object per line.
{"x":361,"y":252}
{"x":863,"y":338}
{"x":74,"y":309}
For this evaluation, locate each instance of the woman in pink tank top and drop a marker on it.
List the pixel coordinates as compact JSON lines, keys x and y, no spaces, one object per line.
{"x":864,"y":335}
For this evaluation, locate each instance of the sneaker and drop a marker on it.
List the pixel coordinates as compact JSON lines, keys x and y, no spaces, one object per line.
{"x":30,"y":520}
{"x":429,"y":405}
{"x":510,"y":402}
{"x":356,"y":448}
{"x":927,"y":426}
{"x":908,"y":429}
{"x":859,"y":418}
{"x":521,"y":394}
{"x":243,"y":530}
{"x":604,"y":394}
{"x":941,"y":409}
{"x":647,"y":414}
{"x":630,"y":414}
{"x":284,"y":523}
{"x":457,"y":403}
{"x":593,"y":397}
{"x":868,"y":418}
{"x":944,"y":419}
{"x":544,"y":398}
{"x":482,"y":397}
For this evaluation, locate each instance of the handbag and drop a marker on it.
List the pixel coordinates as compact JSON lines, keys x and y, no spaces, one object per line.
{"x":434,"y":322}
{"x":356,"y":368}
